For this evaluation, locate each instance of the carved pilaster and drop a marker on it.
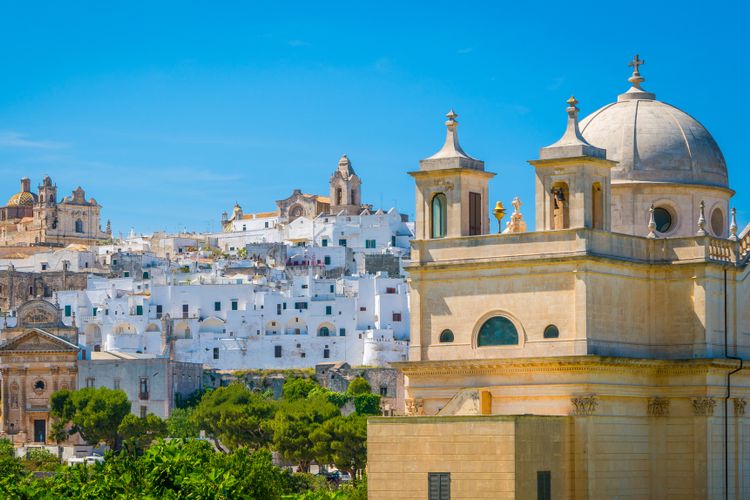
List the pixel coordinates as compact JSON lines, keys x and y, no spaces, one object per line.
{"x":739,"y":407}
{"x":704,"y":406}
{"x":658,"y":407}
{"x":584,"y":405}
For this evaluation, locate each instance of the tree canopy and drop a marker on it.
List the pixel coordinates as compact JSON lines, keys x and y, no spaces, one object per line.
{"x":95,"y":413}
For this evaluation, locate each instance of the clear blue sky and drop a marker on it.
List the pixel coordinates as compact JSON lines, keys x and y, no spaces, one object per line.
{"x":168,"y":112}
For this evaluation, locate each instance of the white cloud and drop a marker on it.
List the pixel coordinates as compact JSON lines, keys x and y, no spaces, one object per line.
{"x":18,"y":140}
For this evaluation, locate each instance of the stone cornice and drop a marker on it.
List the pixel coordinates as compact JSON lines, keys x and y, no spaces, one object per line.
{"x":560,"y":364}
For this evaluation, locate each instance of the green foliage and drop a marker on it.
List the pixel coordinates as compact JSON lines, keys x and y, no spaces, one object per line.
{"x":335,"y":398}
{"x":39,"y":459}
{"x":182,"y":424}
{"x":294,"y":425}
{"x":59,"y":431}
{"x":95,"y":413}
{"x":236,"y":416}
{"x":10,"y":465}
{"x":342,"y":441}
{"x":191,"y":400}
{"x":358,"y":386}
{"x":298,"y":388}
{"x":141,"y":432}
{"x":367,"y":404}
{"x":171,"y":470}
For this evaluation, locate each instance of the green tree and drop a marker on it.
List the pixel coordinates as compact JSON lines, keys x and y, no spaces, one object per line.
{"x":237,"y":416}
{"x":367,"y":404}
{"x":141,"y":432}
{"x":182,"y":424}
{"x":295,"y":424}
{"x":298,"y":388}
{"x":342,"y":441}
{"x":95,"y":413}
{"x":358,"y":386}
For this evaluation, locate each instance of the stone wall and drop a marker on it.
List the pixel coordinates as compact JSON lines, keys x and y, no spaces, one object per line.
{"x":16,"y":287}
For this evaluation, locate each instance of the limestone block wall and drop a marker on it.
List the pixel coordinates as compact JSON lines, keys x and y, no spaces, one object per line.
{"x":588,"y":456}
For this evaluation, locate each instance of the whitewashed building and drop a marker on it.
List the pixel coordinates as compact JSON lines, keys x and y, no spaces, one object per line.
{"x":293,"y":324}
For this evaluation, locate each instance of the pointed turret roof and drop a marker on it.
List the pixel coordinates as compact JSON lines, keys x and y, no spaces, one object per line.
{"x":571,"y":144}
{"x":451,"y":155}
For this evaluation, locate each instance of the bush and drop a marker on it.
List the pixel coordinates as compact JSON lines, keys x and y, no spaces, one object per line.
{"x":367,"y":404}
{"x":39,"y":459}
{"x":358,"y":386}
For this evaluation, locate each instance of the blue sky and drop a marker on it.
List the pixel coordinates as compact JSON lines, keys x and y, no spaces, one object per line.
{"x":169,"y":112}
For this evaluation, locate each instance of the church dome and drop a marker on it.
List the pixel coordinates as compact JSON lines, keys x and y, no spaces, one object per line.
{"x":653,"y":141}
{"x":22,"y":199}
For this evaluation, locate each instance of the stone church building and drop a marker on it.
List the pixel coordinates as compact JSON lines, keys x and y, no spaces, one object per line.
{"x":599,"y":356}
{"x":37,"y":357}
{"x":42,"y":219}
{"x":345,"y":198}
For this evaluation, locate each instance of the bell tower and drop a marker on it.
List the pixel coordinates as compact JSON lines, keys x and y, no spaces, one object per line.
{"x":573,"y":180}
{"x":346,"y":189}
{"x":452,"y":191}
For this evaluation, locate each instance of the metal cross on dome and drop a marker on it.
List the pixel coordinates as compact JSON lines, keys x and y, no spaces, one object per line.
{"x":635,"y":63}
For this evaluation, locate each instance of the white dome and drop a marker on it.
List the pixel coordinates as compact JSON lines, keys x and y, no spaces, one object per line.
{"x":654,"y":141}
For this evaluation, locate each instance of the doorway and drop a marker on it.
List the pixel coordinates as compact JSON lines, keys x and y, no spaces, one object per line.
{"x":40,"y":431}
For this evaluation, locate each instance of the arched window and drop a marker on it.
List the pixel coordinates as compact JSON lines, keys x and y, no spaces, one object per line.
{"x":353,"y":199}
{"x":338,"y":196}
{"x":551,"y":332}
{"x":597,"y":206}
{"x":446,"y":336}
{"x":79,"y":226}
{"x":439,"y":211}
{"x":497,"y":330}
{"x":559,"y":198}
{"x":324,"y":332}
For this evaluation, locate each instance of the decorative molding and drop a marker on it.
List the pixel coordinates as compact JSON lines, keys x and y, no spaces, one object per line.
{"x":584,"y":405}
{"x":739,"y":407}
{"x":704,"y":406}
{"x":658,"y":407}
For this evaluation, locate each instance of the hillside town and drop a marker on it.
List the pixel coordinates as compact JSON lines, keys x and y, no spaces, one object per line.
{"x":327,"y":347}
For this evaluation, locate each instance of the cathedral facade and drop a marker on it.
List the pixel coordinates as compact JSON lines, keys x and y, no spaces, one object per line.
{"x":599,"y":356}
{"x":42,"y":219}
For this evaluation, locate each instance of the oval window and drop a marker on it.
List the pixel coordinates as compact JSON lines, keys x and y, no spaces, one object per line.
{"x":717,"y":222}
{"x":663,"y":219}
{"x":446,"y":336}
{"x":498,"y":330}
{"x":551,"y":332}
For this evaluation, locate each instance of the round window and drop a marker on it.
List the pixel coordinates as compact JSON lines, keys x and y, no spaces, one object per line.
{"x":663,"y":219}
{"x":551,"y":332}
{"x":39,"y":386}
{"x":446,"y":336}
{"x":717,"y":222}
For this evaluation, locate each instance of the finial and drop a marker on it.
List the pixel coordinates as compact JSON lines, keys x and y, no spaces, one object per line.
{"x":636,"y":79}
{"x":451,"y":115}
{"x":733,"y":226}
{"x":651,"y":223}
{"x":702,"y":220}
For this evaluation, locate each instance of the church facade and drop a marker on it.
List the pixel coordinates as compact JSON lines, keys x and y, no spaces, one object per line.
{"x":37,"y":357}
{"x":599,"y":356}
{"x":41,"y":219}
